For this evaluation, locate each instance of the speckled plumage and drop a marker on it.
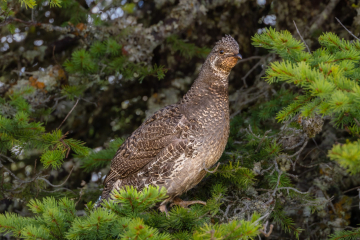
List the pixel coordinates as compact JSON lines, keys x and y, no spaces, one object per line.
{"x":172,"y":146}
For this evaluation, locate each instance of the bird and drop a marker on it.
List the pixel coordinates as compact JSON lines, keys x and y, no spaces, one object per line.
{"x":174,"y":147}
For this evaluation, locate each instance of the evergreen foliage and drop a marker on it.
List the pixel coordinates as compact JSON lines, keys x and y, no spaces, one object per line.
{"x":251,"y":184}
{"x":345,"y":235}
{"x":101,"y":158}
{"x":88,"y":62}
{"x":33,"y":3}
{"x":329,"y":78}
{"x":188,"y":50}
{"x":127,"y":216}
{"x":20,"y":134}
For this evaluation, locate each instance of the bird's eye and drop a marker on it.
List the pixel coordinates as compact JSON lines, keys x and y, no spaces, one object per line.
{"x":221,"y":51}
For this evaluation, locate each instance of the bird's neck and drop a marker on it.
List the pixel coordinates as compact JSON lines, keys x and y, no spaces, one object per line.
{"x":208,"y":93}
{"x":210,"y":84}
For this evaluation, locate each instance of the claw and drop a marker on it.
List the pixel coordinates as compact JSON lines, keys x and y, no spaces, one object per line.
{"x":185,"y":204}
{"x":163,"y":208}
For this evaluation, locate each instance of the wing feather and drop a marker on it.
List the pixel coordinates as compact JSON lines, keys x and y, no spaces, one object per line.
{"x":159,"y":139}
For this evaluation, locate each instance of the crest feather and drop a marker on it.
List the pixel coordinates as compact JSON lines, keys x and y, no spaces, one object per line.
{"x":228,"y":42}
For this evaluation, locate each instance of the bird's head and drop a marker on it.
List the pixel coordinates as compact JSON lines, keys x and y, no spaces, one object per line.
{"x":224,"y":55}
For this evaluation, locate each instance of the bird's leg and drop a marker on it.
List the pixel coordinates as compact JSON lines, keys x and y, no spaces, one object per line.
{"x":185,"y":204}
{"x":163,"y":208}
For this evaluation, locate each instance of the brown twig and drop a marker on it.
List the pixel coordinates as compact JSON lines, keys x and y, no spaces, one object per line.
{"x":358,"y":187}
{"x":57,"y":102}
{"x":262,"y":140}
{"x":77,"y":101}
{"x":250,"y":58}
{"x":11,"y":19}
{"x":53,"y":53}
{"x":347,"y":29}
{"x":301,"y":37}
{"x":249,"y":72}
{"x":291,"y":188}
{"x":9,"y":159}
{"x":298,"y":153}
{"x":80,"y":195}
{"x":324,"y":15}
{"x":264,"y":231}
{"x":248,"y":101}
{"x":47,"y":181}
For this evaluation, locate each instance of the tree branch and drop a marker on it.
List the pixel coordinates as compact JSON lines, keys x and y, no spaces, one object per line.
{"x":347,"y":30}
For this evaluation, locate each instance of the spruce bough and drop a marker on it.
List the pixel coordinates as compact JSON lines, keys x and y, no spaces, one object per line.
{"x":127,"y":216}
{"x":329,"y":79}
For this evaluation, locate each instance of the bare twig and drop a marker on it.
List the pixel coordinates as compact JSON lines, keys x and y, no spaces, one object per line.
{"x":262,"y":140}
{"x":77,"y":101}
{"x":347,"y":29}
{"x":248,"y":101}
{"x":10,"y":172}
{"x":250,"y":58}
{"x":59,"y":189}
{"x":80,"y":195}
{"x":296,"y":145}
{"x":251,"y":132}
{"x":262,"y":217}
{"x":298,"y":153}
{"x":53,"y":54}
{"x":264,"y":229}
{"x":324,"y":15}
{"x":47,"y":181}
{"x":9,"y":159}
{"x":277,"y":183}
{"x":358,"y":187}
{"x":330,"y":201}
{"x":11,"y":19}
{"x":57,"y":101}
{"x":20,"y":72}
{"x":89,"y":101}
{"x":263,"y":189}
{"x":264,"y":171}
{"x":279,"y":175}
{"x":357,"y":122}
{"x":250,"y":71}
{"x":301,"y":37}
{"x":291,"y":188}
{"x":35,"y":166}
{"x":213,"y":171}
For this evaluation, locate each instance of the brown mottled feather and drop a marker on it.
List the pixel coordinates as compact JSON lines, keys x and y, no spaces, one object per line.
{"x":159,"y":139}
{"x":172,"y":146}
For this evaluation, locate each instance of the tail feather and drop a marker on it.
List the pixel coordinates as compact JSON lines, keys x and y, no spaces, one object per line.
{"x":106,"y":194}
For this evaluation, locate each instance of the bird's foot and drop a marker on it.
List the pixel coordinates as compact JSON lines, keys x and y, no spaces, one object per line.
{"x":185,"y":204}
{"x":163,"y":208}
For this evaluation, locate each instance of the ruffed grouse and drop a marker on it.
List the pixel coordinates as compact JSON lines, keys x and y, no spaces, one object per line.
{"x":171,"y":148}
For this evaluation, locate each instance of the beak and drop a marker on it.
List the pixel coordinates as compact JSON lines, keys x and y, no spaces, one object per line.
{"x":238,"y":56}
